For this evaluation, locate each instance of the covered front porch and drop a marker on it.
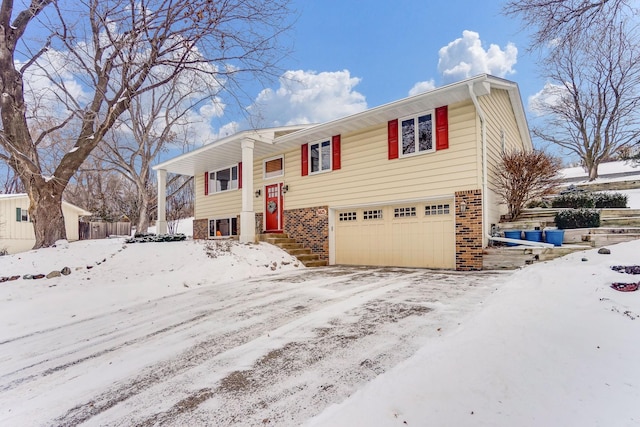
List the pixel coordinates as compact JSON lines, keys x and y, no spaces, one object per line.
{"x":241,"y":149}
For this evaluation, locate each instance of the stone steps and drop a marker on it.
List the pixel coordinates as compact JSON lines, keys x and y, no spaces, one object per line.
{"x":293,"y":248}
{"x":509,"y":258}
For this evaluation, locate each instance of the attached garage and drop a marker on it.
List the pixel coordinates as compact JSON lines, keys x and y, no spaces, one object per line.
{"x":401,"y":235}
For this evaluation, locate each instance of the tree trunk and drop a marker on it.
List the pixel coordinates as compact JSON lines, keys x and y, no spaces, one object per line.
{"x":143,"y":215}
{"x":46,"y":212}
{"x":593,"y":171}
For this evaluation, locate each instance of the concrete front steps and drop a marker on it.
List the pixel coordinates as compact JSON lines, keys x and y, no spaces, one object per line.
{"x":598,"y":237}
{"x":512,"y":257}
{"x":293,"y":248}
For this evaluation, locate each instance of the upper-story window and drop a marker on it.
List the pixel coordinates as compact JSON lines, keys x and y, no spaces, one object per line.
{"x":320,"y":157}
{"x":223,"y":180}
{"x":416,"y":134}
{"x":273,"y":167}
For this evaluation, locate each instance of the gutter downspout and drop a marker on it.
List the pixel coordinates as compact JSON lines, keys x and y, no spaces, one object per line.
{"x":485,"y":185}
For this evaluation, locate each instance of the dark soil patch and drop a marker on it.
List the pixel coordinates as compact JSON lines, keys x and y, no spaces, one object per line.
{"x":628,"y":269}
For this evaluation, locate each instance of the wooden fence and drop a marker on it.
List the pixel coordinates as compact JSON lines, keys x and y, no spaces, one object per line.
{"x":102,"y":230}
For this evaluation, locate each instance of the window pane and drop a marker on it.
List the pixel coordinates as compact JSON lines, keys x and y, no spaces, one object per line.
{"x":234,"y":226}
{"x":273,"y":168}
{"x":425,"y":134}
{"x":326,"y":156}
{"x":222,"y":179}
{"x":212,"y":228}
{"x":222,"y":227}
{"x":234,"y":178}
{"x":408,"y":137}
{"x":315,"y":157}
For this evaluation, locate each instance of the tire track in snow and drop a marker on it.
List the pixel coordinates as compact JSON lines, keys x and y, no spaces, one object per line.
{"x":259,"y":300}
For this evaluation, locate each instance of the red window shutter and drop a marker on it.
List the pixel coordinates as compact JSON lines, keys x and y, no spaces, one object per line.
{"x":335,"y":152}
{"x":206,"y":183}
{"x":392,"y":129}
{"x":442,"y":128}
{"x":305,"y":160}
{"x":240,"y":175}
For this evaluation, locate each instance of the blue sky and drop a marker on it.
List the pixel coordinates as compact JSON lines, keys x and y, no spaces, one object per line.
{"x":391,"y":45}
{"x":351,"y":55}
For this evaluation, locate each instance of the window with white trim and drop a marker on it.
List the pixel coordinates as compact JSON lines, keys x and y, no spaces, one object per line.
{"x":223,"y":180}
{"x":416,"y":134}
{"x":347,"y":216}
{"x":404,"y":212}
{"x":222,"y":227}
{"x":22,"y":215}
{"x":372,"y":214}
{"x":437,"y":209}
{"x":273,"y":167}
{"x":320,"y":157}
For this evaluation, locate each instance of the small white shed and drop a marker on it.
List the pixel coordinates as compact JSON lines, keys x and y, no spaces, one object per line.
{"x":16,"y":230}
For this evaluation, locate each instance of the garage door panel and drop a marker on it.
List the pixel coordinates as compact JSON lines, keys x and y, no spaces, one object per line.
{"x":409,"y":235}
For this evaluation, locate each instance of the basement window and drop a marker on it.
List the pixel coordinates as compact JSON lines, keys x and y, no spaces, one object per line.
{"x":223,"y":227}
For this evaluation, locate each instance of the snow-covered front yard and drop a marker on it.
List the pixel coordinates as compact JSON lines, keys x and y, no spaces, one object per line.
{"x":197,"y":333}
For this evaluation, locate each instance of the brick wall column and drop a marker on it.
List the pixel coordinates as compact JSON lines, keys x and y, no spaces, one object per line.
{"x":309,"y":226}
{"x":469,"y":230}
{"x":201,"y":228}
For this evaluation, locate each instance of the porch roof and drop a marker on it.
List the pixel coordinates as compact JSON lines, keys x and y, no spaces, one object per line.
{"x":226,"y":151}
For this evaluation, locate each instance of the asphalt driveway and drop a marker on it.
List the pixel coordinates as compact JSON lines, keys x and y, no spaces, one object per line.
{"x":270,"y":351}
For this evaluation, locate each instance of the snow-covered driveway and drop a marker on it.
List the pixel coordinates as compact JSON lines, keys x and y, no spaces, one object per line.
{"x":274,"y":350}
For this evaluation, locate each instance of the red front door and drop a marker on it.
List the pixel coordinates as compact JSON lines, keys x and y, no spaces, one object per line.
{"x":273,"y":208}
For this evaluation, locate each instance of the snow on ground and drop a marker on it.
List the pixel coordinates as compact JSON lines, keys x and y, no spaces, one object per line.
{"x":556,"y":346}
{"x":109,"y":274}
{"x":607,"y":168}
{"x":184,"y":226}
{"x":162,"y":334}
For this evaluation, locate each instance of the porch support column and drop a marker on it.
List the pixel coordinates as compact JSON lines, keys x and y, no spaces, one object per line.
{"x":161,"y":223}
{"x":247,"y":215}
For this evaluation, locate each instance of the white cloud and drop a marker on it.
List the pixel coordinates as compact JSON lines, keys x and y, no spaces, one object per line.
{"x":422,"y":87}
{"x":465,"y":57}
{"x":549,"y":96}
{"x":309,"y":97}
{"x":213,"y":108}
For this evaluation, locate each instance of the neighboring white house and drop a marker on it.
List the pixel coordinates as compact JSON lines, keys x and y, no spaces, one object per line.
{"x":16,"y":229}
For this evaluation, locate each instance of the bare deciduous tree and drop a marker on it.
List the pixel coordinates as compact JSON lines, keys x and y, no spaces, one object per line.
{"x":179,"y":201}
{"x":153,"y":123}
{"x":593,"y":109}
{"x":553,"y":20}
{"x":526,"y":176}
{"x":592,"y":65}
{"x":96,"y":56}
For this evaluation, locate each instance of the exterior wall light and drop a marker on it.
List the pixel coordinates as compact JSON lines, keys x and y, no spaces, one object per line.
{"x":285,"y":188}
{"x":258,"y":193}
{"x":463,"y":206}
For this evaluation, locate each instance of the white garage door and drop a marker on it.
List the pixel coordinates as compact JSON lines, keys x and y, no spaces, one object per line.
{"x":407,"y":235}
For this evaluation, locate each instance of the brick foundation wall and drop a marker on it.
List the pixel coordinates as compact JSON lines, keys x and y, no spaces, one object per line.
{"x":310,"y":227}
{"x":469,"y":231}
{"x":259,"y":224}
{"x":201,"y":228}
